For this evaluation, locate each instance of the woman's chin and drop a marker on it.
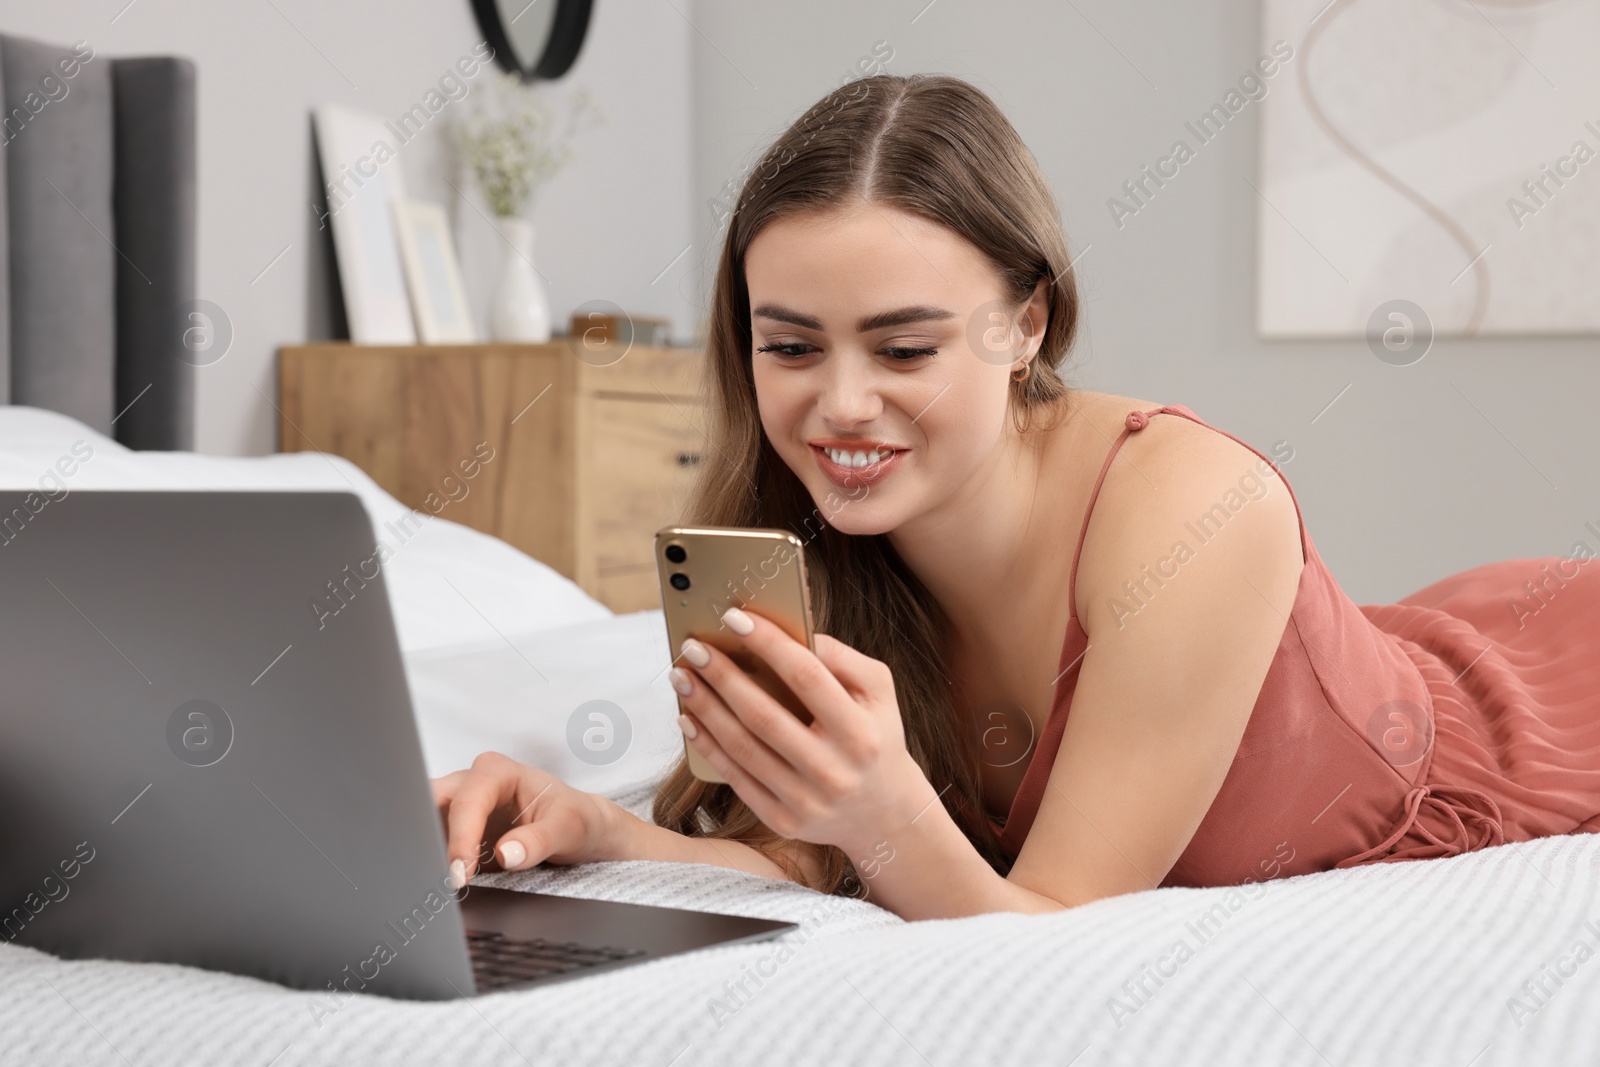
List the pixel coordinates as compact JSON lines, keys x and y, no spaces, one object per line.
{"x":856,"y":518}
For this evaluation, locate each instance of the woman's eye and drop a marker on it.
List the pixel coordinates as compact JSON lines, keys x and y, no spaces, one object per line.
{"x":784,"y":350}
{"x":796,"y":350}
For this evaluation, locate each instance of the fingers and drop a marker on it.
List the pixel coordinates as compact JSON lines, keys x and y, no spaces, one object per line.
{"x":515,"y":848}
{"x":854,"y":669}
{"x":759,"y":798}
{"x":445,"y":786}
{"x":758,"y":731}
{"x":777,"y":741}
{"x":713,"y":713}
{"x":801,"y":669}
{"x":476,"y":795}
{"x":530,"y":844}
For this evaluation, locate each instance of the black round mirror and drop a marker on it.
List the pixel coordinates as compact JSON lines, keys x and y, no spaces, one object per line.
{"x":534,"y":38}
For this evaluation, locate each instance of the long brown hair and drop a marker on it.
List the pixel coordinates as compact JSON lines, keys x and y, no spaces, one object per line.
{"x":937,"y":147}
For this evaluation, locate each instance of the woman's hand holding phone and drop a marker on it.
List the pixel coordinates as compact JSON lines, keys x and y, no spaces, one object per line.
{"x":521,"y":815}
{"x":846,"y":779}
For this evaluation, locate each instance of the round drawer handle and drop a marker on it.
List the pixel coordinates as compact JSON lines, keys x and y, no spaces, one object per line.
{"x":688,"y":459}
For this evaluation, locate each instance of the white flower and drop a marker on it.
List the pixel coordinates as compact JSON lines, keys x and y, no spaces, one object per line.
{"x":509,"y":140}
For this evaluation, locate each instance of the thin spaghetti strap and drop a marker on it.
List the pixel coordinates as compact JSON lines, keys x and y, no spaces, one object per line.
{"x":1179,"y":409}
{"x":1136,"y":420}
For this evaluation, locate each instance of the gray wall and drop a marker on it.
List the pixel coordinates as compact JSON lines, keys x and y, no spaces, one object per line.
{"x":607,"y":226}
{"x":1401,"y":481}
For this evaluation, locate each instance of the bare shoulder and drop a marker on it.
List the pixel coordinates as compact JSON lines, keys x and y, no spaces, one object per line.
{"x":1178,"y":490}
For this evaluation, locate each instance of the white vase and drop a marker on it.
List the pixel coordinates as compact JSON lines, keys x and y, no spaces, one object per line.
{"x":520,"y":310}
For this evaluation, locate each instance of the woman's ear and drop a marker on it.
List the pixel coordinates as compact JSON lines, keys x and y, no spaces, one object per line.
{"x":1035,"y":318}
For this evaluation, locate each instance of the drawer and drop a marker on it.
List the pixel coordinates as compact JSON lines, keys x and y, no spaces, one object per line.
{"x":642,"y":458}
{"x":646,"y":372}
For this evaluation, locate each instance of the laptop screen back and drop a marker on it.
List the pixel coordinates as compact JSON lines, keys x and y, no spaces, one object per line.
{"x":207,"y":749}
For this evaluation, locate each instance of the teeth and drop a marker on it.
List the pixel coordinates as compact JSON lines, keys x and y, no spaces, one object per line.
{"x":857,"y":459}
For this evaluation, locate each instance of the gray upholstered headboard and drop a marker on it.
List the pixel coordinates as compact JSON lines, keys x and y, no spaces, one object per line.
{"x":98,"y":238}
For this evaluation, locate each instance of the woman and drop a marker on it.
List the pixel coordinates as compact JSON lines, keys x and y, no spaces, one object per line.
{"x":1069,"y":644}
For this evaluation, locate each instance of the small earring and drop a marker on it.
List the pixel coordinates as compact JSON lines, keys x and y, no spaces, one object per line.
{"x":1027,"y":369}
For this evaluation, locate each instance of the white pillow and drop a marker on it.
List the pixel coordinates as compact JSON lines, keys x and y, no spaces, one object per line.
{"x":590,"y":703}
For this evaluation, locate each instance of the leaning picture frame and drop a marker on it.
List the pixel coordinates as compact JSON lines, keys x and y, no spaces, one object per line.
{"x":361,"y":180}
{"x":433,"y":275}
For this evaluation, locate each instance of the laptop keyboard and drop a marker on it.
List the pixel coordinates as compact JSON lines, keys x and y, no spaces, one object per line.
{"x":503,"y":962}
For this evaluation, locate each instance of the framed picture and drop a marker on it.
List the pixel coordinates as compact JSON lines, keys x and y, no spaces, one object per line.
{"x":361,"y":179}
{"x":438,"y":299}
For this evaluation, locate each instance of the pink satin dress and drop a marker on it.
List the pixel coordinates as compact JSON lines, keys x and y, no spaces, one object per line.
{"x":1465,"y":716}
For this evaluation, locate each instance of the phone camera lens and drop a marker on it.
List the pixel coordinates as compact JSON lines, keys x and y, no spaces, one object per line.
{"x":679,"y":582}
{"x":676,"y":554}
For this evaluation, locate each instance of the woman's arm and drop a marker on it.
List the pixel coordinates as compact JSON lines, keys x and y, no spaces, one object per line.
{"x":632,"y":838}
{"x":1170,"y":677}
{"x":522,"y":816}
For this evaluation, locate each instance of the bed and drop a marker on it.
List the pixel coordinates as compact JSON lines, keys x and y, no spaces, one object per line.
{"x":1491,"y":958}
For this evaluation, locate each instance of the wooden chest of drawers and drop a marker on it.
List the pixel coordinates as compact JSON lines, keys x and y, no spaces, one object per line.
{"x":590,"y":457}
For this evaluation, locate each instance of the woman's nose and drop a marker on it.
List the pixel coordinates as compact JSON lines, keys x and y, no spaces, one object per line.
{"x":849,"y":395}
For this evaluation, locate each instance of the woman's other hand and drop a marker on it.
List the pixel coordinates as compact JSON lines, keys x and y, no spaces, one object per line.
{"x":846,"y":779}
{"x":519,"y":815}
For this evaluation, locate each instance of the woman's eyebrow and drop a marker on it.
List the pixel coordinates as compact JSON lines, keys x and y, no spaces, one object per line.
{"x":897,"y":317}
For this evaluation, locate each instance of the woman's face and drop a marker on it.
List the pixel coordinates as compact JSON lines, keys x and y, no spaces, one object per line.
{"x":876,"y":330}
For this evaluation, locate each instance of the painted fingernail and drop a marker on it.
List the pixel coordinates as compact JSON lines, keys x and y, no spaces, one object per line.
{"x":512,"y":854}
{"x":695,"y":652}
{"x":458,"y":874}
{"x":739,"y":622}
{"x":687,"y":727}
{"x":681,"y":681}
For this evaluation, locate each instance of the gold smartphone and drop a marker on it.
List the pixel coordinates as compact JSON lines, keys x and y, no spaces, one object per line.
{"x":704,"y":571}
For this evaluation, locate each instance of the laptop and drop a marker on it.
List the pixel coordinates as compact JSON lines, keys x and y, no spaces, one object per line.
{"x":208,"y":757}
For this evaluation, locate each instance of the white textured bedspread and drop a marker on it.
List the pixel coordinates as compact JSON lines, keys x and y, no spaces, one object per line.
{"x":1413,"y":964}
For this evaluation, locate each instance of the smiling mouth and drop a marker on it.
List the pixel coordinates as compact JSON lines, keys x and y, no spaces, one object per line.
{"x":850,"y":468}
{"x":844,"y":457}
